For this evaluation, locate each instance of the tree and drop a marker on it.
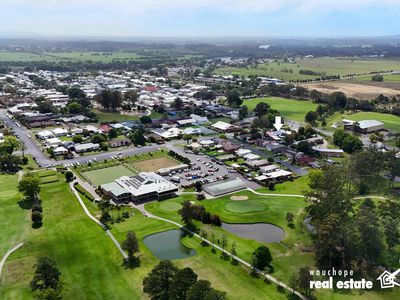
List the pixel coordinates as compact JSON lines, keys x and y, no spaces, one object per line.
{"x":77,"y":139}
{"x":177,"y":104}
{"x":198,"y":186}
{"x":202,"y":290}
{"x":46,"y":280}
{"x":233,"y":251}
{"x":29,"y":185}
{"x":186,"y":213}
{"x":224,"y":243}
{"x":181,"y":283}
{"x":289,"y":218}
{"x":132,"y":97}
{"x":187,"y":137}
{"x":158,"y":282}
{"x":97,"y":138}
{"x":75,"y":108}
{"x":311,"y":117}
{"x":233,"y":98}
{"x":36,"y":217}
{"x":69,"y":176}
{"x":261,"y":109}
{"x":130,"y":244}
{"x":145,"y":120}
{"x":377,"y":78}
{"x":9,"y":145}
{"x":261,"y":257}
{"x":113,"y":133}
{"x":138,"y":138}
{"x":351,"y":144}
{"x":243,"y":112}
{"x":303,"y":281}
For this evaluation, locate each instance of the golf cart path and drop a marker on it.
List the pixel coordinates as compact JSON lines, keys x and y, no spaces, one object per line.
{"x":9,"y":252}
{"x":108,"y":232}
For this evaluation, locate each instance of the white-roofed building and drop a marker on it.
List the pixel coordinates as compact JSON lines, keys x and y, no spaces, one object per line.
{"x":45,"y":134}
{"x":60,"y":131}
{"x":140,"y":188}
{"x":242,"y":152}
{"x":224,"y":127}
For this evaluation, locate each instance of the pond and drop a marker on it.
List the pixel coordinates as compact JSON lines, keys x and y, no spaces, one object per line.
{"x":167,"y":245}
{"x":262,"y":232}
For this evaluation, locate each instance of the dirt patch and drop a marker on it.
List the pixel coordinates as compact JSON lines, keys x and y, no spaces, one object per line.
{"x":239,"y":198}
{"x":154,"y":164}
{"x":358,"y":90}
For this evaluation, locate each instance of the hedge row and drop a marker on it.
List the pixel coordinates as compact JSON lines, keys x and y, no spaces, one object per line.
{"x":84,"y":192}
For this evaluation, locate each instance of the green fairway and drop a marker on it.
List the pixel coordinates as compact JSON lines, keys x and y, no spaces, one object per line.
{"x":170,"y":206}
{"x":244,"y":206}
{"x":89,"y":262}
{"x":290,"y":109}
{"x":14,"y":221}
{"x":106,"y":175}
{"x":322,"y":65}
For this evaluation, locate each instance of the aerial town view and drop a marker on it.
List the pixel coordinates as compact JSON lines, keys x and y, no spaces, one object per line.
{"x":200,"y":150}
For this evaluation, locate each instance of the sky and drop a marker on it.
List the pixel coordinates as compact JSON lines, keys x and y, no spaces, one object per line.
{"x":200,"y":18}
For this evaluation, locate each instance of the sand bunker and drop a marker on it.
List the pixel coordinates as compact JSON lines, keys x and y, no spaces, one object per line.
{"x":239,"y":198}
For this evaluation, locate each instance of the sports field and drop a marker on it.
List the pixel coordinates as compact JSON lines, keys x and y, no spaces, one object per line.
{"x":106,"y":175}
{"x":154,"y":164}
{"x":323,"y":65}
{"x":290,"y":109}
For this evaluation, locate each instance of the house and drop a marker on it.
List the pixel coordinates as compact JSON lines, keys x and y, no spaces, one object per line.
{"x":191,"y":131}
{"x":251,"y":156}
{"x":143,"y":187}
{"x":329,"y":152}
{"x":256,"y":164}
{"x":45,"y":134}
{"x":60,"y":131}
{"x":199,"y":119}
{"x":60,"y":151}
{"x":224,"y":127}
{"x":119,"y":142}
{"x":207,"y":143}
{"x":53,"y":142}
{"x":80,"y":148}
{"x":269,"y":169}
{"x":242,"y":152}
{"x":169,"y":134}
{"x":226,"y":157}
{"x":228,"y":147}
{"x":105,"y":128}
{"x":186,"y":122}
{"x":279,"y":175}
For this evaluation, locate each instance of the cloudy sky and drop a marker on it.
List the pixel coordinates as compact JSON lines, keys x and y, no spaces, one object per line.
{"x":288,"y":18}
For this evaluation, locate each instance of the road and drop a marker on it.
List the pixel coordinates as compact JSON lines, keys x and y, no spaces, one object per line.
{"x":33,"y":149}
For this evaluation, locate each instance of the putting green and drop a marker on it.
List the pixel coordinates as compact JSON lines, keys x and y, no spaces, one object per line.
{"x":8,"y":193}
{"x":244,"y":206}
{"x":170,"y":206}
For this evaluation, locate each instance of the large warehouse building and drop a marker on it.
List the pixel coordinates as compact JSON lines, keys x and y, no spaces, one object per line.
{"x":145,"y":186}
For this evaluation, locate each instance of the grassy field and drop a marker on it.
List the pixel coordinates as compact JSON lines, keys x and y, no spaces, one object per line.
{"x":103,"y":116}
{"x":14,"y":221}
{"x":290,"y":109}
{"x":67,"y":56}
{"x":395,"y":78}
{"x":391,"y":122}
{"x":89,"y":262}
{"x":106,"y":175}
{"x":328,"y":65}
{"x":154,"y":164}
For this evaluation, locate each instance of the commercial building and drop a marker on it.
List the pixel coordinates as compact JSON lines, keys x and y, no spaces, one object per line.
{"x":224,"y":187}
{"x":145,"y":186}
{"x":365,"y":126}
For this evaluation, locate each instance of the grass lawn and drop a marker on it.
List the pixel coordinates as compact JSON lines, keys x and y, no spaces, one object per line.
{"x":386,"y":78}
{"x":328,"y":65}
{"x":391,"y":122}
{"x":14,"y":221}
{"x":104,"y":116}
{"x":106,"y":175}
{"x":296,"y":187}
{"x":88,"y":260}
{"x":245,"y":206}
{"x":289,"y":109}
{"x":154,"y":164}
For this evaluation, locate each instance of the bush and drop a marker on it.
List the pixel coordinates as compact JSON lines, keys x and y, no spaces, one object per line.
{"x":37,"y":217}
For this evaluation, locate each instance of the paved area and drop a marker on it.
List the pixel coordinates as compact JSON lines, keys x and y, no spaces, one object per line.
{"x":204,"y":168}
